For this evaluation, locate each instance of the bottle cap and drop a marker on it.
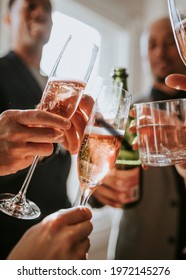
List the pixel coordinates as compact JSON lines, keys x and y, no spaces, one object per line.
{"x":119,"y":72}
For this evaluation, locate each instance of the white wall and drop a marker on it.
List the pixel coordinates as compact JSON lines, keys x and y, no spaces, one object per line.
{"x":120,"y":23}
{"x":112,"y":34}
{"x":4,"y":39}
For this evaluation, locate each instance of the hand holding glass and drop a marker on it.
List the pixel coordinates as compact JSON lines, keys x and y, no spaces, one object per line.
{"x":102,"y":138}
{"x":161,"y":130}
{"x":61,"y":96}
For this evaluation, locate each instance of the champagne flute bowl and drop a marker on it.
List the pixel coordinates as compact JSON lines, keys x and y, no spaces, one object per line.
{"x":102,"y":138}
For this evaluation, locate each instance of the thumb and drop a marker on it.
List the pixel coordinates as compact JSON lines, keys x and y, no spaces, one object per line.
{"x":176,"y":81}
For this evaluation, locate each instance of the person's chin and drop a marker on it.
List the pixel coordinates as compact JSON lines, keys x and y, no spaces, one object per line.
{"x":160,"y":80}
{"x":161,"y":76}
{"x":39,"y":38}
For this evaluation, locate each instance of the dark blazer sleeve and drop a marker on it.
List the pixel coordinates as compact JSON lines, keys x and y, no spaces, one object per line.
{"x":18,"y":88}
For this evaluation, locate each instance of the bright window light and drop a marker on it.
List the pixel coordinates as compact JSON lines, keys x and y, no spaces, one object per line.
{"x":63,"y":26}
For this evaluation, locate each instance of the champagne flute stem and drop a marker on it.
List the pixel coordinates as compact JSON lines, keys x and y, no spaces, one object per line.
{"x":77,"y":198}
{"x":85,"y":195}
{"x":26,"y":182}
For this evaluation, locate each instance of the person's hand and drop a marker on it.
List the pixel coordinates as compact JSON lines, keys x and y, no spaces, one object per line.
{"x":176,"y":81}
{"x":181,"y":168}
{"x":61,"y":236}
{"x":25,"y":134}
{"x":79,"y":120}
{"x":116,"y":188}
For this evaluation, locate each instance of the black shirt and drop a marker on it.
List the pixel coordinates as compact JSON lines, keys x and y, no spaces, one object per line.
{"x":20,"y":90}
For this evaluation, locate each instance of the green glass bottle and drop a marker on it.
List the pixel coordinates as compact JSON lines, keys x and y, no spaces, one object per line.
{"x":127,"y":158}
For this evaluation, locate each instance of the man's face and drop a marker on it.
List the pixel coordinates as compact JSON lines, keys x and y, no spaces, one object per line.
{"x":162,"y":51}
{"x":31,"y":21}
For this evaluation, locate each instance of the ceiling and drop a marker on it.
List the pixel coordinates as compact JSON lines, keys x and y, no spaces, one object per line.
{"x":120,"y":11}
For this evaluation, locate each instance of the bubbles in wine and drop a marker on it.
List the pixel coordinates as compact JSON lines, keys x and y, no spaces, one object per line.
{"x":60,"y":97}
{"x":97,"y":155}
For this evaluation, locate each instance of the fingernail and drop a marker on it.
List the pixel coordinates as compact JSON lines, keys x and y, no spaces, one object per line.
{"x":73,"y":151}
{"x":83,"y":211}
{"x":132,"y":124}
{"x":66,"y":124}
{"x":118,"y":205}
{"x":135,"y":140}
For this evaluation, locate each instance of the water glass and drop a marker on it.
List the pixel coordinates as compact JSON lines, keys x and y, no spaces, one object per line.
{"x":161,"y":130}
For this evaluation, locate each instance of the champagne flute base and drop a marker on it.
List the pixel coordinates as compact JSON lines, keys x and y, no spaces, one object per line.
{"x":17,"y":207}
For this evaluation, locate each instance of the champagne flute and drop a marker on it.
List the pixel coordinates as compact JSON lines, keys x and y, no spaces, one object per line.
{"x":102,"y":138}
{"x":177,"y":12}
{"x":61,"y":96}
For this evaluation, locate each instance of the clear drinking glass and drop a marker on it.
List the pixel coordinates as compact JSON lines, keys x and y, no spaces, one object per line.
{"x":177,"y":12}
{"x":102,"y":138}
{"x":61,"y":96}
{"x":161,"y":130}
